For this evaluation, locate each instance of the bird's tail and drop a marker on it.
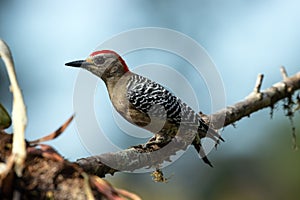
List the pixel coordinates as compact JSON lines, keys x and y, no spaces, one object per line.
{"x":197,"y":144}
{"x":212,"y":134}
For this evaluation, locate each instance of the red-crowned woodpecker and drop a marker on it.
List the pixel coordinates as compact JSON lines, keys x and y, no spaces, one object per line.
{"x":141,"y":101}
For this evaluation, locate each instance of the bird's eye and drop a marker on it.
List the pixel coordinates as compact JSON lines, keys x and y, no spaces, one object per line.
{"x":99,"y":60}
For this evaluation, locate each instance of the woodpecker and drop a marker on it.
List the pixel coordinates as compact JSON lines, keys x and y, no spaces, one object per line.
{"x":141,"y":101}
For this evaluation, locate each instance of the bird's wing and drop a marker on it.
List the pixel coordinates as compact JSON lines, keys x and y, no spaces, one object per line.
{"x":152,"y":98}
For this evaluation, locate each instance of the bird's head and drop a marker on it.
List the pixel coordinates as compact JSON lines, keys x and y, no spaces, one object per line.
{"x":105,"y":64}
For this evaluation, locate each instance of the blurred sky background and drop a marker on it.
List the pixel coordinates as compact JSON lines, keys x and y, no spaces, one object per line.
{"x":243,"y":38}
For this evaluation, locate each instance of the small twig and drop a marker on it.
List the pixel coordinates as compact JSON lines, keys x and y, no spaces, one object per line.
{"x":256,"y":90}
{"x":19,"y":117}
{"x":258,"y":83}
{"x":283,"y":73}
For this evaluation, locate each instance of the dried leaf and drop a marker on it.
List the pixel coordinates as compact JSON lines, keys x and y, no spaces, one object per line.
{"x":5,"y":120}
{"x":53,"y":135}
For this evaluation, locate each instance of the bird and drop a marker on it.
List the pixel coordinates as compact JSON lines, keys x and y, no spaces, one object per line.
{"x":142,"y":101}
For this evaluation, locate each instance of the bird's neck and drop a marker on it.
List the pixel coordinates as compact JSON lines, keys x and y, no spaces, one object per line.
{"x":117,"y":85}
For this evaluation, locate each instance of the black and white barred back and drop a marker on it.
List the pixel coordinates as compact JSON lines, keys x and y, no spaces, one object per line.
{"x":143,"y":93}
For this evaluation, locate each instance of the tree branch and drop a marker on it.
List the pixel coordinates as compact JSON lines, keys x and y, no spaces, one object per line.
{"x":257,"y":101}
{"x":145,"y":155}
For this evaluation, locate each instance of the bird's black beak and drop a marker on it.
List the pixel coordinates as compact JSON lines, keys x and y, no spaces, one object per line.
{"x":77,"y":63}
